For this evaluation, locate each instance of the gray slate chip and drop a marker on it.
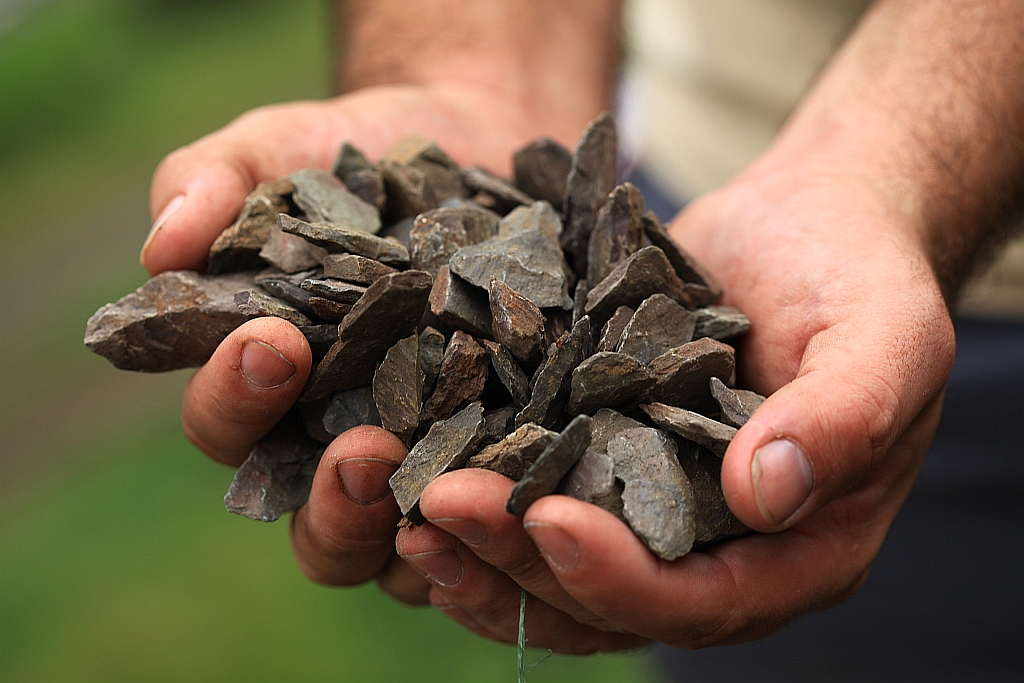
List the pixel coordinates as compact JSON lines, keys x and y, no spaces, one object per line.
{"x":509,"y":372}
{"x":657,"y":498}
{"x":337,"y":239}
{"x":461,"y":379}
{"x":644,"y":273}
{"x":320,"y":337}
{"x":737,"y":404}
{"x":552,"y":383}
{"x":325,"y":199}
{"x":498,"y":424}
{"x":516,"y":322}
{"x":460,"y":305}
{"x":714,"y":520}
{"x":541,"y":169}
{"x":610,"y":380}
{"x":238,"y":247}
{"x":590,"y":179}
{"x":407,"y":190}
{"x":538,"y":216}
{"x":440,"y":172}
{"x":709,"y":433}
{"x":605,"y":425}
{"x":659,"y":325}
{"x":329,"y":310}
{"x":618,"y":231}
{"x":368,"y":185}
{"x":175,"y":320}
{"x":350,"y":408}
{"x":289,"y":293}
{"x":355,"y":268}
{"x":288,"y":253}
{"x":257,"y":304}
{"x":504,"y":195}
{"x":431,"y":354}
{"x":516,"y":453}
{"x":446,"y":447}
{"x":592,"y":480}
{"x":547,"y":471}
{"x":684,"y":374}
{"x":348,"y":159}
{"x":686,"y":266}
{"x":335,"y":290}
{"x":437,"y":234}
{"x":720,"y":322}
{"x":398,"y":389}
{"x":611,"y":333}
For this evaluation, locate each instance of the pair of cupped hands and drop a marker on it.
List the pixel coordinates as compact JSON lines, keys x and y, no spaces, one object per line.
{"x":850,"y":338}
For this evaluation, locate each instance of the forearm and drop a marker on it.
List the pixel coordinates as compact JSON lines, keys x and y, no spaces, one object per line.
{"x":548,"y":65}
{"x":925,"y":102}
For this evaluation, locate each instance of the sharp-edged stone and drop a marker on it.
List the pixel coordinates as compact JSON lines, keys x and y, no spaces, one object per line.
{"x":720,"y":322}
{"x":296,"y":278}
{"x":439,"y":170}
{"x":354,"y":268}
{"x":335,"y":290}
{"x":516,"y":322}
{"x":175,"y":320}
{"x":579,"y":300}
{"x":407,"y":190}
{"x":390,"y":310}
{"x":325,"y":199}
{"x":400,"y":230}
{"x":684,"y":374}
{"x":644,"y":273}
{"x":348,"y":160}
{"x":701,"y":295}
{"x":319,"y":337}
{"x":431,"y":354}
{"x":437,"y":234}
{"x":398,"y":389}
{"x":368,"y":185}
{"x":289,"y":293}
{"x":329,"y":310}
{"x":447,"y":446}
{"x":516,"y":453}
{"x":555,"y":325}
{"x":608,"y":379}
{"x":504,"y":195}
{"x":552,"y":464}
{"x":590,"y":179}
{"x":509,"y":372}
{"x":737,"y":404}
{"x":350,"y":408}
{"x":461,"y":379}
{"x":498,"y":424}
{"x":278,"y":474}
{"x":336,"y":239}
{"x":592,"y":480}
{"x":709,"y":433}
{"x":288,"y":253}
{"x":657,"y":497}
{"x":611,"y":333}
{"x":659,"y":325}
{"x":686,"y":266}
{"x":714,"y":520}
{"x":605,"y":425}
{"x":618,"y":231}
{"x":536,"y":217}
{"x":460,"y":305}
{"x":541,"y":169}
{"x":257,"y":304}
{"x":238,"y":247}
{"x":550,"y":389}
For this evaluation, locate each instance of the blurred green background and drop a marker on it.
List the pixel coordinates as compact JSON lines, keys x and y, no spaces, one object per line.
{"x":117,"y":559}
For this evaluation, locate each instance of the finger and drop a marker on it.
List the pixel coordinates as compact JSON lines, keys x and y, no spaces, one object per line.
{"x":403,"y":583}
{"x":345,"y":534}
{"x":470,"y":504}
{"x":491,"y":599}
{"x":248,"y":384}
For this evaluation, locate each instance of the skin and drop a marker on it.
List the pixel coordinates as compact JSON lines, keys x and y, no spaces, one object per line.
{"x":843,"y":243}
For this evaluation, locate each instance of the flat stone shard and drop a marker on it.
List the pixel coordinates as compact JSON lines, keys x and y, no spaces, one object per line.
{"x":605,"y":425}
{"x":461,"y":379}
{"x":541,"y":169}
{"x":398,"y":389}
{"x":684,"y":374}
{"x":354,"y":268}
{"x":610,"y":380}
{"x":714,"y":520}
{"x":368,"y":185}
{"x":611,"y":333}
{"x":431,"y":354}
{"x":709,"y":433}
{"x":325,"y":199}
{"x":644,"y":273}
{"x":438,"y":169}
{"x":238,"y":247}
{"x":320,"y":338}
{"x":335,"y":290}
{"x":659,"y":325}
{"x":336,"y":239}
{"x":278,"y":474}
{"x":498,"y":424}
{"x":590,"y":180}
{"x":657,"y":497}
{"x":437,"y":234}
{"x":274,"y":273}
{"x":720,"y":322}
{"x":551,"y":386}
{"x":516,"y":322}
{"x":407,"y":190}
{"x":618,"y":231}
{"x":290,"y":254}
{"x":686,"y":266}
{"x":509,"y":372}
{"x":390,"y":310}
{"x":446,"y":447}
{"x":348,"y":160}
{"x":328,"y":309}
{"x":737,"y":405}
{"x":175,"y":320}
{"x":592,"y":480}
{"x":257,"y":304}
{"x":516,"y":453}
{"x":289,"y":293}
{"x":537,"y":217}
{"x":350,"y":408}
{"x":460,"y":305}
{"x":503,"y":195}
{"x":546,"y":472}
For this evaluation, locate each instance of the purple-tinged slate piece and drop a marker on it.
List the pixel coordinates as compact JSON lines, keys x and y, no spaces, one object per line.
{"x":516,"y":453}
{"x":590,"y":179}
{"x":551,"y":465}
{"x":659,"y":325}
{"x":709,"y":433}
{"x":541,"y":169}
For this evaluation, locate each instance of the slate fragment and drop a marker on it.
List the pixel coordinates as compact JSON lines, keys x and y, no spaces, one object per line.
{"x":319,"y":337}
{"x":657,"y":497}
{"x":714,"y":521}
{"x":313,"y":419}
{"x":350,"y":408}
{"x":238,"y":247}
{"x":504,"y":195}
{"x":516,"y":322}
{"x":498,"y":424}
{"x":390,"y":310}
{"x":509,"y":372}
{"x":618,"y":231}
{"x":684,"y":374}
{"x":658,"y":325}
{"x":541,"y":169}
{"x":720,"y":322}
{"x":737,"y":404}
{"x":579,"y":300}
{"x":431,"y":354}
{"x":460,"y":305}
{"x":440,"y":172}
{"x":368,"y":185}
{"x":354,"y":268}
{"x":399,"y":230}
{"x":551,"y":385}
{"x":644,"y":273}
{"x":175,"y":320}
{"x":709,"y":433}
{"x":278,"y":474}
{"x":288,"y":253}
{"x":590,"y":179}
{"x":605,"y":425}
{"x":608,"y":379}
{"x":516,"y":453}
{"x":592,"y":480}
{"x":274,"y":273}
{"x":686,"y":266}
{"x":398,"y":389}
{"x":536,"y":217}
{"x":329,"y":310}
{"x":461,"y":379}
{"x":348,"y":159}
{"x":257,"y":304}
{"x":335,"y":290}
{"x":612,"y":331}
{"x":544,"y":475}
{"x":336,"y":239}
{"x":446,"y":447}
{"x":289,"y":293}
{"x":325,"y":199}
{"x":407,"y":190}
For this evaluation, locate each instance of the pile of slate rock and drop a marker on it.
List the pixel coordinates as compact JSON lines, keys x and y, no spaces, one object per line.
{"x":546,"y":329}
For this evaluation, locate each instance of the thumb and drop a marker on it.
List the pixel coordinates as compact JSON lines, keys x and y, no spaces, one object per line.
{"x":858,"y":389}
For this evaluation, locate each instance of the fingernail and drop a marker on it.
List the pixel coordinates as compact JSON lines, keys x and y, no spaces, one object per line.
{"x":557,"y":547}
{"x":783,"y":479}
{"x":365,"y":480}
{"x":440,"y":566}
{"x":263,"y":366}
{"x":168,"y":211}
{"x":469,"y":531}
